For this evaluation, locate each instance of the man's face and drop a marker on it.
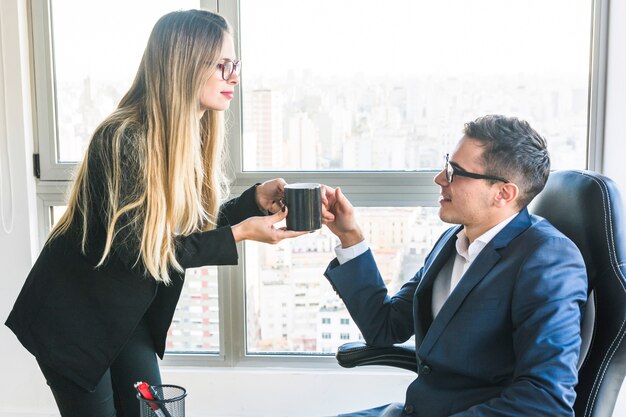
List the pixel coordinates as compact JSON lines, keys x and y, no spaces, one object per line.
{"x":467,"y":201}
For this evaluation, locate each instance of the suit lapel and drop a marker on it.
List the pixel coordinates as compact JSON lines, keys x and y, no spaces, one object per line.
{"x":440,"y":255}
{"x":481,"y":266}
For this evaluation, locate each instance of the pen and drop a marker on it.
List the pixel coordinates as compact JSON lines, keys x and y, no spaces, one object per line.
{"x":150,"y":393}
{"x":157,"y":396}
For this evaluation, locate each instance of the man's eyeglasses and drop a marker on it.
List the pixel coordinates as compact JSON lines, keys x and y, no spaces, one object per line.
{"x":452,"y":170}
{"x":229,"y":68}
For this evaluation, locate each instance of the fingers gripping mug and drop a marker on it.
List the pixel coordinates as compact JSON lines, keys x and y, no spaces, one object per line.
{"x":304,"y":202}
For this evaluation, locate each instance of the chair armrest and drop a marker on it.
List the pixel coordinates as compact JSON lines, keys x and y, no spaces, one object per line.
{"x":354,"y":354}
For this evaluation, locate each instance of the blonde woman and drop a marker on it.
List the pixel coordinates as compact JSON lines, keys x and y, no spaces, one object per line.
{"x":145,"y":205}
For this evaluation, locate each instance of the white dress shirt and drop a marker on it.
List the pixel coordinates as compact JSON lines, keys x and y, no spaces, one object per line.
{"x":466,"y":253}
{"x":349,"y":253}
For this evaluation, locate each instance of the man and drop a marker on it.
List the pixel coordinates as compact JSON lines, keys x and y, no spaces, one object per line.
{"x":496,"y":308}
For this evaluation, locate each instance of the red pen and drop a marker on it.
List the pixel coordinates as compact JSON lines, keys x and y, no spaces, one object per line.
{"x":149,"y":393}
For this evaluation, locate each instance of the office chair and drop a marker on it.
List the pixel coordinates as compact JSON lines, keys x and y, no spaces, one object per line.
{"x":587,"y":208}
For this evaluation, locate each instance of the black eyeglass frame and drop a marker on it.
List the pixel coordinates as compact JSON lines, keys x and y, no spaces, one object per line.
{"x":235,"y":68}
{"x":452,"y":170}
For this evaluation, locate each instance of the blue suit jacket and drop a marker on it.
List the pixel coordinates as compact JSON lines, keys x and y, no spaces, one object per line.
{"x":507,"y":340}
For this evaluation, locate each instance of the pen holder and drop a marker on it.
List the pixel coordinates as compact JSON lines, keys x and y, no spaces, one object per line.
{"x":171,"y":402}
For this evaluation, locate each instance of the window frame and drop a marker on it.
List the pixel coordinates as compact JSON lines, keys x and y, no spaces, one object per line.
{"x":366,"y":188}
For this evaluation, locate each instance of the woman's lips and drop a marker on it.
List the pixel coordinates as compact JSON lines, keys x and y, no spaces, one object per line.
{"x":228,"y":94}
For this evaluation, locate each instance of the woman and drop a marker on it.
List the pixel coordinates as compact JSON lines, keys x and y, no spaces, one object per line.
{"x":144,"y":206}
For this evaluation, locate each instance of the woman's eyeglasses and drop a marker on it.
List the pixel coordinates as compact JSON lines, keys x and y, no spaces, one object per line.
{"x":452,"y":170}
{"x":229,"y":68}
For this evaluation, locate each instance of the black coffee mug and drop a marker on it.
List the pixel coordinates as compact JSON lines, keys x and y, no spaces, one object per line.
{"x":304,"y":203}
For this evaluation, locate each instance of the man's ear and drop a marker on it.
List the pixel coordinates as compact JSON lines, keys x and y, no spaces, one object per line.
{"x":507,"y":194}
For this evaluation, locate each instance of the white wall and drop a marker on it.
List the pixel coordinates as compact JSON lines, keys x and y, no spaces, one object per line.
{"x":212,"y":391}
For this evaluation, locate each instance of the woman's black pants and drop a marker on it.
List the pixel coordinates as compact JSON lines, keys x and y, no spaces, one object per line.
{"x":115,"y":394}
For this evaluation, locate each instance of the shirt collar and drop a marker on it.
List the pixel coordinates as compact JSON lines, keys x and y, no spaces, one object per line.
{"x":470,"y":252}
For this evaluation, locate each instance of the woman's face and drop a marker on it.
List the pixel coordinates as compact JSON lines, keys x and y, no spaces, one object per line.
{"x":217,"y":92}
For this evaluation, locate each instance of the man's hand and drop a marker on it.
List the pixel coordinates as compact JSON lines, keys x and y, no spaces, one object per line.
{"x":338,"y":216}
{"x":270,"y":194}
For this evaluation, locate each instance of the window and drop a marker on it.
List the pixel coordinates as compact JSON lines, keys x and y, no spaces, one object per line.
{"x":373,"y":110}
{"x":196,"y":328}
{"x":296,"y":266}
{"x":391,"y":88}
{"x":94,"y":63}
{"x":368,"y":98}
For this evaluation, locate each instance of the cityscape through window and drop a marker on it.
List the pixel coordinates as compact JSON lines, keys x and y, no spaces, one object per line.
{"x":372,"y":87}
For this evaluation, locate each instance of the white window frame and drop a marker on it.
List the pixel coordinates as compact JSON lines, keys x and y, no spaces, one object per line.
{"x":366,"y":189}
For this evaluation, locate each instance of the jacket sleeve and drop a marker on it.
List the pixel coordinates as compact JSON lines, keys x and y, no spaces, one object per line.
{"x":239,"y":208}
{"x":382,"y":319}
{"x":547,"y":306}
{"x":217,"y":247}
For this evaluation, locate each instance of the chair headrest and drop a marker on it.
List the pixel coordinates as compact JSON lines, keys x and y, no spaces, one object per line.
{"x":587,"y":207}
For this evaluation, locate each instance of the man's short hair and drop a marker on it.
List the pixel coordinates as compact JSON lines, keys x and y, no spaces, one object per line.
{"x":512,"y":150}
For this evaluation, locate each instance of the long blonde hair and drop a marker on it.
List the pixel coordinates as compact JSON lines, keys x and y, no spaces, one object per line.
{"x":179,"y":159}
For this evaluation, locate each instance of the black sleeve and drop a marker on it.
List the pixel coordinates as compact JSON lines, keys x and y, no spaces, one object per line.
{"x":239,"y":208}
{"x":217,"y":247}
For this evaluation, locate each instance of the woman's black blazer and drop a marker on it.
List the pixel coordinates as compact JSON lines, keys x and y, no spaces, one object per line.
{"x":75,"y":318}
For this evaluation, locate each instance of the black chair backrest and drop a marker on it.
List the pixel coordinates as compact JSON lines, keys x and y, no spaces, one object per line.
{"x":587,"y":208}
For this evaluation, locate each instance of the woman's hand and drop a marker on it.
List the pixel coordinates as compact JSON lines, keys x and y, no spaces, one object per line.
{"x":261,"y":229}
{"x":270,"y":194}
